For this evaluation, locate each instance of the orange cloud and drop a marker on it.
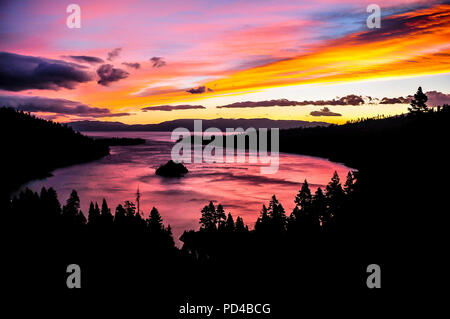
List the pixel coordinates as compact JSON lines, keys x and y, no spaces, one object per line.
{"x":409,"y":44}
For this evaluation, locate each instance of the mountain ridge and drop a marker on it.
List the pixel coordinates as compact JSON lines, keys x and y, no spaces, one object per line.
{"x":219,"y":123}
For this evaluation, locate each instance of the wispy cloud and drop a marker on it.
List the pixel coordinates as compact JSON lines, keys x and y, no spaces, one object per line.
{"x":113,"y":54}
{"x":84,"y":59}
{"x":158,"y":62}
{"x":61,"y":107}
{"x":132,"y":65}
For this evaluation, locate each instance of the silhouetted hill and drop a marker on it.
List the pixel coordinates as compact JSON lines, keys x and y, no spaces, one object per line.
{"x":402,"y":162}
{"x":33,"y":147}
{"x":373,"y":140}
{"x":220,"y":123}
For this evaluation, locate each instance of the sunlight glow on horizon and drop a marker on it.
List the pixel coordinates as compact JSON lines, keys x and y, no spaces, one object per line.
{"x":285,"y":50}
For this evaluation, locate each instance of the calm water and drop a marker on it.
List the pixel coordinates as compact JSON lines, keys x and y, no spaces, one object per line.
{"x":239,"y":187}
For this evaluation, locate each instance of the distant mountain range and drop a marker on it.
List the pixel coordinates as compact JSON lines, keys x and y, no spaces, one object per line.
{"x":219,"y":123}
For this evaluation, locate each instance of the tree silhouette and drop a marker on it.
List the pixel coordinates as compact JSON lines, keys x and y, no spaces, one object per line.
{"x":72,"y":205}
{"x":219,"y":216}
{"x":272,"y":219}
{"x":319,"y":206}
{"x":130,"y":208}
{"x":50,"y":204}
{"x":119,"y":216}
{"x":418,"y":104}
{"x":93,"y":214}
{"x":229,"y":224}
{"x":303,"y":198}
{"x":334,"y":199}
{"x":71,"y":213}
{"x":263,"y":221}
{"x":208,"y":219}
{"x":351,"y":183}
{"x":106,"y":217}
{"x":302,"y":220}
{"x":154,"y":221}
{"x":240,"y":227}
{"x":277,"y":215}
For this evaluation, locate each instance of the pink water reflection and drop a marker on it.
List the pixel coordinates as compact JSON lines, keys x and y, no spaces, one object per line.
{"x":239,"y":187}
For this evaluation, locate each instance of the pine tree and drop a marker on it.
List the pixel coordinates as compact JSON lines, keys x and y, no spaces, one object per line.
{"x":262,"y":223}
{"x":319,"y":206}
{"x":130,"y":208}
{"x":276,"y":215}
{"x":304,"y":197}
{"x":208,"y":219}
{"x":240,"y":227}
{"x":119,"y":215}
{"x":219,"y":216}
{"x":50,"y":203}
{"x":334,"y":198}
{"x":80,"y":219}
{"x":229,"y":224}
{"x":93,"y":214}
{"x":72,"y":205}
{"x":351,"y":183}
{"x":418,"y":104}
{"x":106,"y":215}
{"x":154,"y":221}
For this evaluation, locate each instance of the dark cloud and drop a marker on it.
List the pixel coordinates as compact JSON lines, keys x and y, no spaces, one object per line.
{"x":55,"y":106}
{"x":158,"y":62}
{"x":396,"y":100}
{"x":22,"y":72}
{"x":280,"y":102}
{"x":199,"y":90}
{"x":172,"y":107}
{"x":132,"y":65}
{"x":108,"y":74}
{"x":114,"y":54}
{"x":435,"y":98}
{"x":324,"y":112}
{"x":346,"y":100}
{"x":84,"y":59}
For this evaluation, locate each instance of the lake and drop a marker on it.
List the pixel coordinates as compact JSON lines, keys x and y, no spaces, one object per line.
{"x":239,"y":187}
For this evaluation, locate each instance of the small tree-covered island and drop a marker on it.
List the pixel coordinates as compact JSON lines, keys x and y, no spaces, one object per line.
{"x":172,"y":169}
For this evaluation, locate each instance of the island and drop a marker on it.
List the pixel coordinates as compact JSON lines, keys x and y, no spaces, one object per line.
{"x":172,"y":169}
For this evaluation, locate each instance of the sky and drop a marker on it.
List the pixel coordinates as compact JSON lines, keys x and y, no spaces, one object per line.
{"x":153,"y":61}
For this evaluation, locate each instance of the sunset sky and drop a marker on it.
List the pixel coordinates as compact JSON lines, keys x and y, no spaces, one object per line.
{"x":152,"y":61}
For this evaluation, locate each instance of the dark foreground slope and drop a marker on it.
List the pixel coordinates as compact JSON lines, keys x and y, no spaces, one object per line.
{"x":389,"y":215}
{"x":32,"y":147}
{"x":403,"y":165}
